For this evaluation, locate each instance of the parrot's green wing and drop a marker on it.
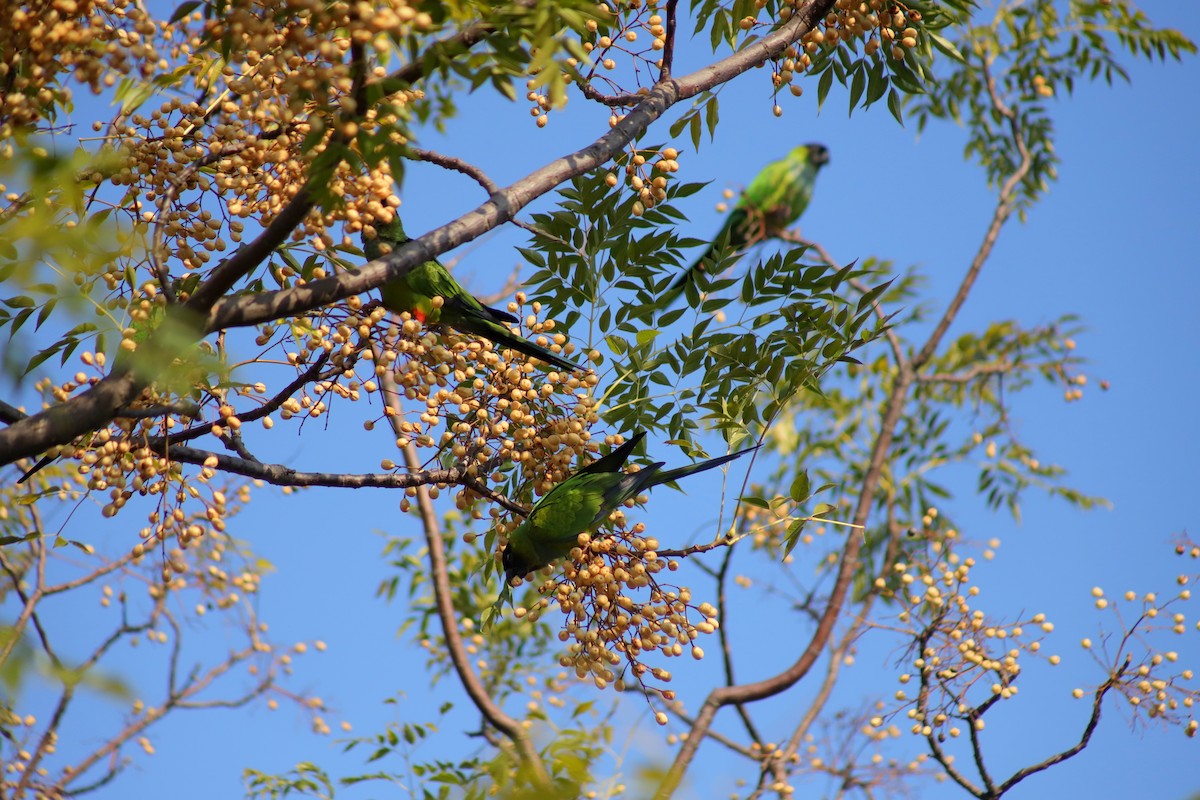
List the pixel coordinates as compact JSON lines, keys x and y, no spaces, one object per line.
{"x":773,"y":201}
{"x":553,"y":526}
{"x":583,"y":502}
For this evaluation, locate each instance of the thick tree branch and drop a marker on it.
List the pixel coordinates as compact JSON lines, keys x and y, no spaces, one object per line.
{"x":504,"y":204}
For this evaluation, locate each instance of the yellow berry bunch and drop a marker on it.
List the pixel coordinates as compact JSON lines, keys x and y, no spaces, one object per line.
{"x":836,"y":750}
{"x":182,"y":162}
{"x":126,"y":459}
{"x":876,"y":24}
{"x":493,"y":406}
{"x":1153,"y":682}
{"x":1073,"y":381}
{"x":144,"y":599}
{"x":647,"y":174}
{"x":496,"y":407}
{"x":962,"y":662}
{"x":609,"y":630}
{"x":619,"y":32}
{"x":90,"y":42}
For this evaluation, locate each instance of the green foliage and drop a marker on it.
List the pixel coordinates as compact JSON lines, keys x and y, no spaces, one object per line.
{"x":1019,"y":59}
{"x":305,"y":780}
{"x":805,"y":354}
{"x":602,"y":268}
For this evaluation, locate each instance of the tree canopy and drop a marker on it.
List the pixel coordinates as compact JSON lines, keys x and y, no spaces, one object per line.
{"x":188,"y":300}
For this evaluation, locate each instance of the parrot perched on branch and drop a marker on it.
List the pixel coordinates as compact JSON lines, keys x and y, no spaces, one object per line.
{"x":414,"y":293}
{"x":583,"y":501}
{"x":772,"y":202}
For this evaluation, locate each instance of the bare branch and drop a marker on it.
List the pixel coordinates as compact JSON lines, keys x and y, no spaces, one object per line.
{"x":1006,"y":201}
{"x":458,"y":165}
{"x":1089,"y":729}
{"x":282,"y":475}
{"x":967,"y":375}
{"x":726,"y":651}
{"x":622,"y":100}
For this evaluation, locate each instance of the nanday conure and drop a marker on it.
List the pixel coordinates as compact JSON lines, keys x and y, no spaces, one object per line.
{"x":414,"y":293}
{"x":774,"y":200}
{"x":582,"y":502}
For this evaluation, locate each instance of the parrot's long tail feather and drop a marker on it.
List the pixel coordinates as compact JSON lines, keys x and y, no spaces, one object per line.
{"x":729,"y":230}
{"x":498,"y":334}
{"x":682,"y":472}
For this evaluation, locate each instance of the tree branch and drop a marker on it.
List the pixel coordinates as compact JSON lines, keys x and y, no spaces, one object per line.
{"x":458,"y":165}
{"x":443,"y":598}
{"x":1089,"y":729}
{"x":968,"y":375}
{"x":1006,"y":201}
{"x":282,"y":475}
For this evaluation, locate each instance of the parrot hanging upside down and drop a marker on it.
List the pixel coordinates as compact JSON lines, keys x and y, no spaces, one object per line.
{"x":582,"y":502}
{"x":774,"y":200}
{"x":414,"y":293}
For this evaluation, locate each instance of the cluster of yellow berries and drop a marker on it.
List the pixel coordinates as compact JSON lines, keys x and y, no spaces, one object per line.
{"x":214,"y":575}
{"x":647,"y":174}
{"x":1154,"y":683}
{"x":840,"y":754}
{"x":90,"y":42}
{"x":609,"y":630}
{"x":878,"y":24}
{"x":957,"y":650}
{"x":495,"y":405}
{"x":623,"y":26}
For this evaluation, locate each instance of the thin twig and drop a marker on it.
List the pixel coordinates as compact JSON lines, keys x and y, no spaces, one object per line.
{"x":967,"y":375}
{"x":456,"y":164}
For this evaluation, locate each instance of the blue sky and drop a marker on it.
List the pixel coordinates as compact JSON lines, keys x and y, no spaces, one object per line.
{"x":1114,"y":241}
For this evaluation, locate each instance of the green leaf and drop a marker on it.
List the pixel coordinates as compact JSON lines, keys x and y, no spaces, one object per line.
{"x":644,"y":337}
{"x":857,"y":85}
{"x":799,"y":490}
{"x":793,"y":536}
{"x":946,"y":46}
{"x":183,"y":10}
{"x":893,"y":103}
{"x":823,"y":86}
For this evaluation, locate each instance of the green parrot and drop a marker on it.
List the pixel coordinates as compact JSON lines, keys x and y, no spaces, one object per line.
{"x":415,"y":292}
{"x":774,"y":200}
{"x":582,"y":502}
